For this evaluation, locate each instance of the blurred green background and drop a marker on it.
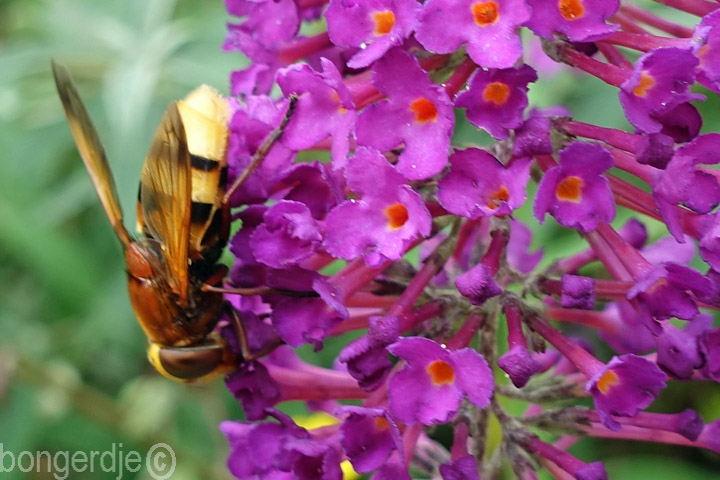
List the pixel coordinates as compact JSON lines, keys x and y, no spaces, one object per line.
{"x":73,"y":373}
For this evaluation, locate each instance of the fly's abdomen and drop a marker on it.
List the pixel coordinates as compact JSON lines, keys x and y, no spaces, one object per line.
{"x":205,"y":114}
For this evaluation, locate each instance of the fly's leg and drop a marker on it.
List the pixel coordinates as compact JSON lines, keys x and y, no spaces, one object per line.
{"x":262,"y":151}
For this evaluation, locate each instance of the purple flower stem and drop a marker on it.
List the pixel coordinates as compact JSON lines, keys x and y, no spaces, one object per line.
{"x":590,"y":318}
{"x":696,"y":7}
{"x":303,"y":47}
{"x":628,"y":432}
{"x":368,"y":299}
{"x":614,"y":55}
{"x":581,"y":358}
{"x":629,"y":142}
{"x":664,"y":422}
{"x":303,"y":4}
{"x":610,"y":74}
{"x":562,"y":459}
{"x":607,"y":256}
{"x":654,"y":21}
{"x":459,"y":77}
{"x":638,"y":200}
{"x":644,"y":42}
{"x":460,"y":439}
{"x":314,"y":384}
{"x":516,"y":337}
{"x":466,"y":332}
{"x":633,"y":261}
{"x":627,"y":24}
{"x":491,"y":259}
{"x":409,"y":439}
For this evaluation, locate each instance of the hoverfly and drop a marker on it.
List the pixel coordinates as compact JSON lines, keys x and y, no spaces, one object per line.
{"x":183,"y":213}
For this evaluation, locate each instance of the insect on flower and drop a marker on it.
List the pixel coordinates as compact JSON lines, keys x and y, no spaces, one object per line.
{"x":183,"y":217}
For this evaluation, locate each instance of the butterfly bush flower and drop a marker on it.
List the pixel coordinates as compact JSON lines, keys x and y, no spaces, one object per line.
{"x":496,"y":99}
{"x":487,"y":28}
{"x":381,"y":223}
{"x":373,"y":27}
{"x":393,"y":271}
{"x":417,"y":114}
{"x":575,"y":192}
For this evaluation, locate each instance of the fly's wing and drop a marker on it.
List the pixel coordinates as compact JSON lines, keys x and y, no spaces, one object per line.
{"x":91,"y":149}
{"x":165,"y":198}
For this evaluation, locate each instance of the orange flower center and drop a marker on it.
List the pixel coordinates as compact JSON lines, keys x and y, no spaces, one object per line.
{"x":571,"y":9}
{"x":485,"y":13}
{"x":397,"y":215}
{"x":336,"y":98}
{"x":496,"y":92}
{"x":498,"y":197}
{"x":384,"y":22}
{"x":381,"y":423}
{"x":646,"y":83}
{"x":570,"y":189}
{"x":606,"y":381}
{"x":440,"y":372}
{"x":424,"y":110}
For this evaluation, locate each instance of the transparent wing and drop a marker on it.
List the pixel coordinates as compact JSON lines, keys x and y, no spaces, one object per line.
{"x":165,"y":197}
{"x":91,"y":149}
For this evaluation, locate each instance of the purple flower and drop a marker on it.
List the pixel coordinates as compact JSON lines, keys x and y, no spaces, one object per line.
{"x":478,"y":284}
{"x":487,"y":27}
{"x":433,"y":383}
{"x":311,"y":459}
{"x":709,"y":67}
{"x":519,"y":364}
{"x":656,"y":149}
{"x":464,"y":468}
{"x":683,"y":183}
{"x":383,"y":221}
{"x":679,"y":351}
{"x":479,"y":185}
{"x":624,"y":318}
{"x":368,"y":436}
{"x":272,"y":22}
{"x":496,"y":99}
{"x":324,"y":109}
{"x":373,"y":26}
{"x":533,"y":137}
{"x":254,"y":448}
{"x":247,"y":271}
{"x":518,"y":255}
{"x":418,"y":114}
{"x":288,"y":235}
{"x":664,"y":290}
{"x":578,"y":292}
{"x":314,"y":185}
{"x":254,"y":388}
{"x":575,"y":192}
{"x":367,"y":357}
{"x":304,"y":319}
{"x":392,"y":470}
{"x":661,"y":81}
{"x":625,"y":386}
{"x":710,"y":347}
{"x":578,"y":20}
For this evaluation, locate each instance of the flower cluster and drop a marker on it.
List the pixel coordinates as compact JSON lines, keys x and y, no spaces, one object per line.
{"x":366,"y":177}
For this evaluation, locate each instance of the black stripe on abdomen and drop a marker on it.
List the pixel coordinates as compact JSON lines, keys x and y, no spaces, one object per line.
{"x":200,"y":212}
{"x":201,"y":163}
